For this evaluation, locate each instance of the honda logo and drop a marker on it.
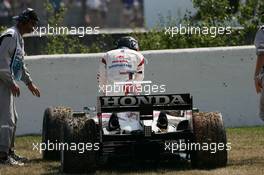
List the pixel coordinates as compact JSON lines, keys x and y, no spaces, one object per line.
{"x":142,"y":100}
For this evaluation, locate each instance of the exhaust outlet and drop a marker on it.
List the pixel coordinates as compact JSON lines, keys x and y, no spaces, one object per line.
{"x":113,"y":123}
{"x":162,"y":122}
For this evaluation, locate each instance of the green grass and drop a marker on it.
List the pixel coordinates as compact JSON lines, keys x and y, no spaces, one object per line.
{"x":246,"y":157}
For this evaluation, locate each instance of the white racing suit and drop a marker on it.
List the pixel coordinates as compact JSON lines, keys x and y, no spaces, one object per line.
{"x":116,"y":66}
{"x":12,"y":68}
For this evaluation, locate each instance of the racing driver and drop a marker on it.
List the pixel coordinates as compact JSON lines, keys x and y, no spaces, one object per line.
{"x":123,"y":64}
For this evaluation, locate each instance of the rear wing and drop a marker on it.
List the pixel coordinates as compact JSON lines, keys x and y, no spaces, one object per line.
{"x":145,"y":104}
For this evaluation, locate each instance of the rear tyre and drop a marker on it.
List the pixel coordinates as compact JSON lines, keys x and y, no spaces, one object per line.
{"x":53,"y":121}
{"x":209,"y":130}
{"x":79,"y":131}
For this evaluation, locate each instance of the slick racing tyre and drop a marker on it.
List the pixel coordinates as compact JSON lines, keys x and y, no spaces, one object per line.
{"x":79,"y":133}
{"x":210,"y":133}
{"x":51,"y":131}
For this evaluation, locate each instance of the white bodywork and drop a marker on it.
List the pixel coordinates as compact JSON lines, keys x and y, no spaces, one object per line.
{"x":129,"y":121}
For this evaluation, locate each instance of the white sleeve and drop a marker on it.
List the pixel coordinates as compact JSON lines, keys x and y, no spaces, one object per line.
{"x":140,"y":69}
{"x":26,"y":75}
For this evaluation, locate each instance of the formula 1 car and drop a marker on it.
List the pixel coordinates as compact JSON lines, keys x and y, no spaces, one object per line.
{"x":149,"y":127}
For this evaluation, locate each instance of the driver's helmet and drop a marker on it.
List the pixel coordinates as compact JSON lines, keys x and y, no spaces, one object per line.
{"x":128,"y":42}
